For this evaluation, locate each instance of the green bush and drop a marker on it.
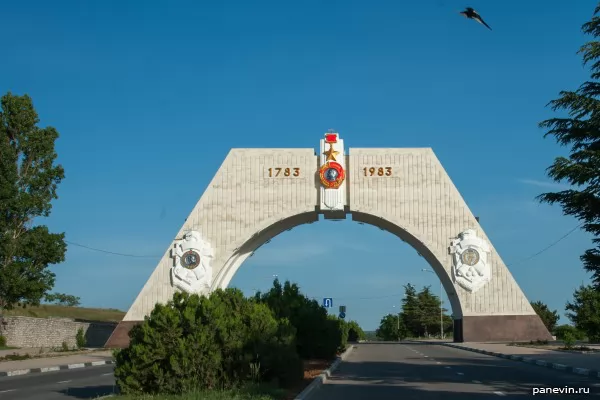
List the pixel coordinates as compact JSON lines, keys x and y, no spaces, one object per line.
{"x":562,"y":330}
{"x":355,"y":332}
{"x":196,"y":343}
{"x":80,"y":338}
{"x":569,"y":340}
{"x":316,"y":336}
{"x":2,"y":341}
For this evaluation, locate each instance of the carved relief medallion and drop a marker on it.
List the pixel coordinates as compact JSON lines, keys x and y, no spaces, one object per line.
{"x":470,"y":267}
{"x":192,"y":269}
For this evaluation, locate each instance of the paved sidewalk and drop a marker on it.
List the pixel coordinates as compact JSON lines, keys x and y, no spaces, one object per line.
{"x":587,"y":364}
{"x":47,"y":364}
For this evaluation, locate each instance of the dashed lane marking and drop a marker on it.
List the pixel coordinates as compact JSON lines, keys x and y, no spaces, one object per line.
{"x":437,"y":362}
{"x":499,"y":393}
{"x":476,"y":381}
{"x":447,"y":367}
{"x":108,"y":373}
{"x":6,"y":391}
{"x":64,"y":381}
{"x":459,"y":373}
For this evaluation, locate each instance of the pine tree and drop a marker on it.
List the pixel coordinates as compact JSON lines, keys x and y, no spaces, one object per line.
{"x":580,"y":130}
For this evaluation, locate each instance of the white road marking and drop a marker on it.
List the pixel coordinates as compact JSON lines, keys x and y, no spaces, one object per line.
{"x":499,"y":393}
{"x":109,"y":373}
{"x":476,"y":381}
{"x":6,"y":391}
{"x":459,"y":373}
{"x":64,"y":381}
{"x":437,"y":362}
{"x":447,"y":367}
{"x":426,"y":356}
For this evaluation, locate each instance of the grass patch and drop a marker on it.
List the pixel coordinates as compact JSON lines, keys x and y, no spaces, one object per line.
{"x":50,"y":310}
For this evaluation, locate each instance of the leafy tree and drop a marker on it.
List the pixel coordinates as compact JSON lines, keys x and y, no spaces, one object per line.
{"x":63,"y":299}
{"x":579,"y":130}
{"x":28,"y":182}
{"x":561,"y":332}
{"x":355,"y":332}
{"x":317,"y":336}
{"x":391,"y":327}
{"x":197,"y":342}
{"x":585,"y":311}
{"x":549,"y":318}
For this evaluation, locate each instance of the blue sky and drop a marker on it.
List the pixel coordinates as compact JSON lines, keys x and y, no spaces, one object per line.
{"x":146,"y":95}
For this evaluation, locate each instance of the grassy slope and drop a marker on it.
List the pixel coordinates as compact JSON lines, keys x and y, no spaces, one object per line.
{"x":47,"y":310}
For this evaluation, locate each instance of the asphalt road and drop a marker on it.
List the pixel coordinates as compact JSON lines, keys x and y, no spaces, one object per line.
{"x":84,"y":383}
{"x":407,"y":371}
{"x":373,"y":371}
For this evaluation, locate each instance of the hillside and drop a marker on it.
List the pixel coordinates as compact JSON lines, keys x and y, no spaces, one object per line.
{"x":48,"y":310}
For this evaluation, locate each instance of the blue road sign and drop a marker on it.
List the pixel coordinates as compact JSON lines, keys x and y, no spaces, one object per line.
{"x":342,"y":315}
{"x":327,"y":302}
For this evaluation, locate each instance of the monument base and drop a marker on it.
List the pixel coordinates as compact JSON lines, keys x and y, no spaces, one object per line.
{"x":500,"y":328}
{"x":120,"y":336}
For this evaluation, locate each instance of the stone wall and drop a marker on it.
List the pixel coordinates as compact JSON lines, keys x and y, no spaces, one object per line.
{"x":52,"y":332}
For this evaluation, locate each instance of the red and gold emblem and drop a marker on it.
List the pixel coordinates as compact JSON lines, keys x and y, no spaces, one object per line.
{"x":332,"y":174}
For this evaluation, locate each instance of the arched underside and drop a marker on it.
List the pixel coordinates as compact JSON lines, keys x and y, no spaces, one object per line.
{"x":260,"y":238}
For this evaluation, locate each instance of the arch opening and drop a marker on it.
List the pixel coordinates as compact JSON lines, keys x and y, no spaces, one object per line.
{"x":265,"y":235}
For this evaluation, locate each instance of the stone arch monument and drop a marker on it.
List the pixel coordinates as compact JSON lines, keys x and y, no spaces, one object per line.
{"x":259,"y":193}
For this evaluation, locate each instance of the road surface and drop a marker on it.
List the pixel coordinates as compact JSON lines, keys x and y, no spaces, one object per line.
{"x":84,"y":383}
{"x":373,"y":371}
{"x":417,"y":371}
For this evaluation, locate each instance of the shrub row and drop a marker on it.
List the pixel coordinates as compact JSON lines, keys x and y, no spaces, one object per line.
{"x":225,"y":341}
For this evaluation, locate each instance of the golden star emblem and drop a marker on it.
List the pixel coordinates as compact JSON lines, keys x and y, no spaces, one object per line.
{"x":331,"y":153}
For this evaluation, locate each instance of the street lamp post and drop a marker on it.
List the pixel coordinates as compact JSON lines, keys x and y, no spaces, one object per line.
{"x":441,"y":303}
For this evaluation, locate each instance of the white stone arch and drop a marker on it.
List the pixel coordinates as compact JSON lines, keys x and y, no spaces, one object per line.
{"x":244,"y":206}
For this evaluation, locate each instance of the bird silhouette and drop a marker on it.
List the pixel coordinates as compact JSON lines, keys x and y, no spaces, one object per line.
{"x":472,"y":14}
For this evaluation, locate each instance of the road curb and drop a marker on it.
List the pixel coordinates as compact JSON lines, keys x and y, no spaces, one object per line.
{"x":18,"y":372}
{"x":322,"y":378}
{"x":591,"y":373}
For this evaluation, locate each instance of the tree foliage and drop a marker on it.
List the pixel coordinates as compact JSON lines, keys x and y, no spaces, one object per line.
{"x":317,"y":335}
{"x":63,"y":299}
{"x":207,"y":343}
{"x":549,"y":318}
{"x":420,"y":316}
{"x":355,"y":332}
{"x":579,"y":129}
{"x":561,"y":331}
{"x":421,"y":312}
{"x":29,"y":178}
{"x":585,"y":312}
{"x":391,"y":328}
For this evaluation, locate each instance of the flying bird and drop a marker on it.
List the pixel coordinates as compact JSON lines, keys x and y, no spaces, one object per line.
{"x":472,"y":14}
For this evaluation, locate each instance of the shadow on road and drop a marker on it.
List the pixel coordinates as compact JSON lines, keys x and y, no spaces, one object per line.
{"x":468,"y":379}
{"x":88,"y":392}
